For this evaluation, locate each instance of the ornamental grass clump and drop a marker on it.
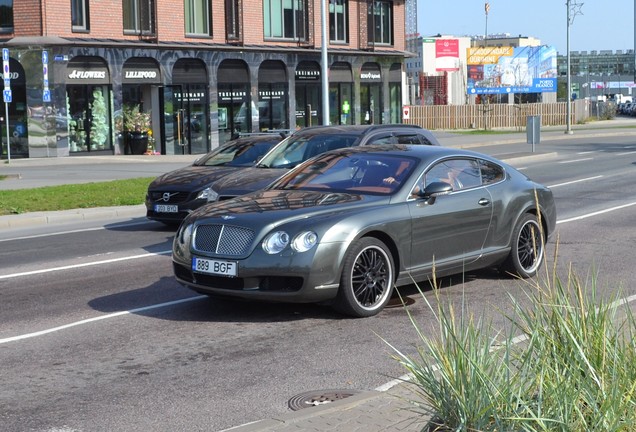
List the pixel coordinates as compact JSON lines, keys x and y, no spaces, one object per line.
{"x":567,"y":362}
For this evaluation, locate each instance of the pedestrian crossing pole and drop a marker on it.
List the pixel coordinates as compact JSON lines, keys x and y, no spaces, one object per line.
{"x":6,"y":95}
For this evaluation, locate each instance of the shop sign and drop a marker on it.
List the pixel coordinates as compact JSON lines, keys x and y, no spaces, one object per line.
{"x":141,"y":76}
{"x":227,"y":96}
{"x":307,"y":75}
{"x":10,"y":76}
{"x":86,"y":74}
{"x":190,"y":97}
{"x":370,"y":76}
{"x":269,"y":95}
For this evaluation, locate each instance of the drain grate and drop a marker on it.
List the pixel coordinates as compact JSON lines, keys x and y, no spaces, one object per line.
{"x":315,"y":398}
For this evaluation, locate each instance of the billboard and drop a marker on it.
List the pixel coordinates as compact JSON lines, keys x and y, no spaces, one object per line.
{"x":446,"y":55}
{"x":499,"y":70}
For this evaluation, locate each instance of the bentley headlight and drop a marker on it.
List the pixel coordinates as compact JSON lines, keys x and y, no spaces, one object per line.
{"x":181,"y":243}
{"x":304,"y":241}
{"x":275,"y":242}
{"x":208,"y":194}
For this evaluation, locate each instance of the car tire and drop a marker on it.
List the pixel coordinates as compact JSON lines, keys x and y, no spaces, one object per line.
{"x":527,"y":250}
{"x":367,"y":279}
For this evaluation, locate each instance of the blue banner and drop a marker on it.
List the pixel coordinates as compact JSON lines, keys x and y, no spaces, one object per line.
{"x":501,"y":70}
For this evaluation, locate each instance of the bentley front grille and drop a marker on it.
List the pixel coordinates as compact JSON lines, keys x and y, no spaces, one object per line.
{"x":223,"y":239}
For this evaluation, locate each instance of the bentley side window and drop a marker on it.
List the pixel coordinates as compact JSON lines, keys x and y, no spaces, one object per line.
{"x":490,"y":172}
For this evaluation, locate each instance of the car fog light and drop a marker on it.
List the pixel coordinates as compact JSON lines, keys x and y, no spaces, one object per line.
{"x":275,"y":242}
{"x":304,"y":241}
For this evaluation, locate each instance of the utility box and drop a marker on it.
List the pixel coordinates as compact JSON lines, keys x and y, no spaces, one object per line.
{"x":533,"y":129}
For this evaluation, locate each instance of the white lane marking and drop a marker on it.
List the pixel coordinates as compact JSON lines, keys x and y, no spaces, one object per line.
{"x":87,"y":264}
{"x":122,"y":225}
{"x":575,"y":160}
{"x":589,"y":215}
{"x":626,"y":153}
{"x":575,"y":181}
{"x":514,"y":341}
{"x":99,"y":318}
{"x":586,"y":152}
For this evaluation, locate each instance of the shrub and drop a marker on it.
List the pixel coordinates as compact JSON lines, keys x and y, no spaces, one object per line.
{"x":570,"y":367}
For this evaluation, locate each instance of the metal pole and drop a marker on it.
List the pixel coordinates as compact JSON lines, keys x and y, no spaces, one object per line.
{"x":324,"y":72}
{"x":568,"y":109}
{"x":6,"y":110}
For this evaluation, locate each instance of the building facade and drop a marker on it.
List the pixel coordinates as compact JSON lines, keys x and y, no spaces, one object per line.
{"x":599,"y":75}
{"x":93,"y":77}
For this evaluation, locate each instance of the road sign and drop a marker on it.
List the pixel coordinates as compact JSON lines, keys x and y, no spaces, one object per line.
{"x":46,"y":96}
{"x":406,"y":112}
{"x":6,"y":95}
{"x":5,"y":71}
{"x":45,"y":57}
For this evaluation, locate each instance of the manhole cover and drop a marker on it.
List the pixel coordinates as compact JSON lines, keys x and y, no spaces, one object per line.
{"x":321,"y":397}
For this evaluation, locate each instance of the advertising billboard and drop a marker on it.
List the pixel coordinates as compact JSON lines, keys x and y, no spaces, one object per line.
{"x":500,"y":70}
{"x":446,"y":55}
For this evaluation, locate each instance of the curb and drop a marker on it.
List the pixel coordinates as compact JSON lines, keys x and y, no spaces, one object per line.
{"x":70,"y":216}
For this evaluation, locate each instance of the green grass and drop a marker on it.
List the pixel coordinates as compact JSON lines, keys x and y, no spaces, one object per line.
{"x":66,"y":197}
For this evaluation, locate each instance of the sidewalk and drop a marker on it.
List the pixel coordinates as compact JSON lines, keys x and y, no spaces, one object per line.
{"x":386,"y":408}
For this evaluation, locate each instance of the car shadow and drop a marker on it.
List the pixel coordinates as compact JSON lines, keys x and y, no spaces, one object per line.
{"x":167,"y":300}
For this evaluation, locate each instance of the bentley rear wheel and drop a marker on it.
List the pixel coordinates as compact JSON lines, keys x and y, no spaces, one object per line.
{"x":527,"y":248}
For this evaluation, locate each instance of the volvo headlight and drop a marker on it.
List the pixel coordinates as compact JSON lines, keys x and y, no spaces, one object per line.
{"x":304,"y":241}
{"x":208,"y":194}
{"x":181,"y":243}
{"x":275,"y":242}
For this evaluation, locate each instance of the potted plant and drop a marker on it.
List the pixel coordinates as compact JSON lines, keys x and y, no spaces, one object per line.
{"x":136,"y":125}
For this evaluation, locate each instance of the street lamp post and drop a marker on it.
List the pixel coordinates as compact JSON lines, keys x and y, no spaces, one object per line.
{"x":324,"y":69}
{"x":568,"y":109}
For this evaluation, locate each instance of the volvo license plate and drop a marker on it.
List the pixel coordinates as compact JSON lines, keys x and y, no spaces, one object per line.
{"x":165,"y":208}
{"x":210,"y":266}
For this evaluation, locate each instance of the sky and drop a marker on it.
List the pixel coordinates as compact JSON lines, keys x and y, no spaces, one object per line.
{"x":600,"y":25}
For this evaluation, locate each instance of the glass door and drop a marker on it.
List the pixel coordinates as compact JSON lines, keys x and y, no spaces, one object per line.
{"x":172,"y":122}
{"x":185,"y":119}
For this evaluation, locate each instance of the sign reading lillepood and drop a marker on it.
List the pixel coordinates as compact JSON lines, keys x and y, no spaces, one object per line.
{"x":500,"y":70}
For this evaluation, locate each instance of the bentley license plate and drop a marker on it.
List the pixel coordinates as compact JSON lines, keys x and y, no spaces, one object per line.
{"x":203,"y":265}
{"x":164,"y":208}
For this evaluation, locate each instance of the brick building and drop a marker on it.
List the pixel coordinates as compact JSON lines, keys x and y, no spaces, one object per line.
{"x":84,"y":75}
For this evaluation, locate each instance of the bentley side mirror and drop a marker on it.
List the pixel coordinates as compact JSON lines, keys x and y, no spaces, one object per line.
{"x":434,"y":190}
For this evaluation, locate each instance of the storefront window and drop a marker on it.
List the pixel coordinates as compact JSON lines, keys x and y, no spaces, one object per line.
{"x":341,"y":101}
{"x":371,"y":94}
{"x":308,"y":95}
{"x":89,"y":119}
{"x":272,"y":96}
{"x":237,"y":111}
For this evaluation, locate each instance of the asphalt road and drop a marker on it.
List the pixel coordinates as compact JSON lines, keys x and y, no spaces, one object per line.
{"x":95,"y":334}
